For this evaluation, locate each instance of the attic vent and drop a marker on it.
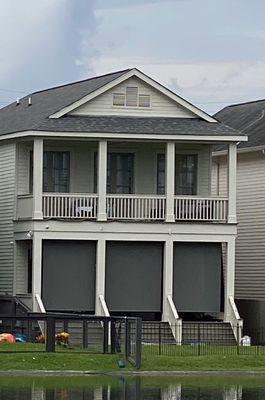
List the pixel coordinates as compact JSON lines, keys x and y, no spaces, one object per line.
{"x":131,"y":98}
{"x":144,"y":100}
{"x":119,"y":99}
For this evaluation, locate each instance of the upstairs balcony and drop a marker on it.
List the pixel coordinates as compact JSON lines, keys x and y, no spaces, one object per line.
{"x":108,"y":181}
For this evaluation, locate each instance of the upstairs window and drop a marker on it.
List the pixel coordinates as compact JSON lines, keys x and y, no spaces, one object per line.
{"x":56,"y":171}
{"x":186,"y":166}
{"x":131,"y":98}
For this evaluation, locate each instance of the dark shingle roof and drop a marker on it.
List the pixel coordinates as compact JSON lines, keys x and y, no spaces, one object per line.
{"x":141,"y":125}
{"x":22,"y":117}
{"x":249,"y":118}
{"x":17,"y":118}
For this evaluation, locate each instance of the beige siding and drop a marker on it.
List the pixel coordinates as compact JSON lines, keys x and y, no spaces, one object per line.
{"x":145,"y":173}
{"x":219,"y":177}
{"x":21,"y":266}
{"x":250,"y":243}
{"x":161,"y":105}
{"x":7,"y":204}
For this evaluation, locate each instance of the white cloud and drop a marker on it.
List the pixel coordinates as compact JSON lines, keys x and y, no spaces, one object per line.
{"x":209,"y":85}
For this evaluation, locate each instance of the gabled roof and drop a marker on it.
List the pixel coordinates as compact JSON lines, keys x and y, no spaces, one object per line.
{"x":22,"y":117}
{"x":59,"y":100}
{"x":249,"y":118}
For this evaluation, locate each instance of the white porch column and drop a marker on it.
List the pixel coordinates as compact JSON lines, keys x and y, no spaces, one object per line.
{"x":36,"y":269}
{"x":100,"y":274}
{"x":102,"y":179}
{"x":168,"y":275}
{"x":170,"y":181}
{"x":37,"y":178}
{"x":231,"y":180}
{"x":229,"y":276}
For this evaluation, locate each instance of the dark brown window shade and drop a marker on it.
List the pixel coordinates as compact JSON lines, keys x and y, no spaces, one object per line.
{"x":56,"y":171}
{"x":120,"y":168}
{"x":186,"y":166}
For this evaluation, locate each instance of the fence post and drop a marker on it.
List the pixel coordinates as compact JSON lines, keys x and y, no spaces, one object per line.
{"x":85,"y":333}
{"x":199,"y":339}
{"x":112,"y":337}
{"x":138,"y":343}
{"x":105,"y":336}
{"x":50,"y":335}
{"x":127,"y":338}
{"x":159,"y":339}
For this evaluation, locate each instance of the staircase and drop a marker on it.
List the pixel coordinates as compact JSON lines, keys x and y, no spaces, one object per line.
{"x":213,"y":333}
{"x":157,"y":332}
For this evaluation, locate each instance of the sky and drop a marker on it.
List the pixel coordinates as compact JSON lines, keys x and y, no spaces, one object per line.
{"x":211,"y":52}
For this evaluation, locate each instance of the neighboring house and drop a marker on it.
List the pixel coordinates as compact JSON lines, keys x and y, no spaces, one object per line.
{"x":106,"y":202}
{"x":249,"y":118}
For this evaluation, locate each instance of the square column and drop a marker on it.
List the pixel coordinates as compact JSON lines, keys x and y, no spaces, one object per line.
{"x":100,"y":274}
{"x":229,"y":276}
{"x":36,"y":269}
{"x":102,"y":179}
{"x":168,"y":275}
{"x":231,"y":179}
{"x":37,"y":178}
{"x":170,"y":181}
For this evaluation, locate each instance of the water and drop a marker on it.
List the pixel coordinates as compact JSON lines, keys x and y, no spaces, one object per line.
{"x":131,"y":388}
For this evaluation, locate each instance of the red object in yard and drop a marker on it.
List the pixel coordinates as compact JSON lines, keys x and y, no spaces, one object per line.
{"x":7,"y":337}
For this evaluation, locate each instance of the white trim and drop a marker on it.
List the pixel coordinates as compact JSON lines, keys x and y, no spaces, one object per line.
{"x":128,"y":136}
{"x":146,"y":79}
{"x":239,"y":150}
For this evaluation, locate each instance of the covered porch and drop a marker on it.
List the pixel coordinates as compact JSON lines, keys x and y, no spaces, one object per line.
{"x":133,"y":181}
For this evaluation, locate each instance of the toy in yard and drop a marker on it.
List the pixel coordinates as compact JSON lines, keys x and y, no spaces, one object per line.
{"x":62,"y":338}
{"x":7,"y":338}
{"x":20,"y":338}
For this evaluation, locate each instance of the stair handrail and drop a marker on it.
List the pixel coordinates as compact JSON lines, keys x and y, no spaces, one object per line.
{"x":235,"y":320}
{"x":41,"y":309}
{"x":103,"y":306}
{"x":175,"y":322}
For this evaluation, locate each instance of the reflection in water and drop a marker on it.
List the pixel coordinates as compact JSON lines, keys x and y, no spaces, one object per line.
{"x":128,"y":389}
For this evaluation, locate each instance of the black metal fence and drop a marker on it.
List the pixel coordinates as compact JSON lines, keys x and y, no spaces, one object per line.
{"x":198,"y":339}
{"x":59,"y":332}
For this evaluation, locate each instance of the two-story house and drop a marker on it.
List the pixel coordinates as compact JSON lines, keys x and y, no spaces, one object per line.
{"x":249,"y":118}
{"x":106,"y":203}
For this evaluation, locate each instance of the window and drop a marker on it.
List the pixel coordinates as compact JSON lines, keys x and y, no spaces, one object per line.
{"x":131,"y":98}
{"x":56,"y":171}
{"x":119,"y":99}
{"x":185,"y":174}
{"x":119,"y":173}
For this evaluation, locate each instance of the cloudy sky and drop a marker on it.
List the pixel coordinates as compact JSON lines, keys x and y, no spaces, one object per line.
{"x":212,"y":52}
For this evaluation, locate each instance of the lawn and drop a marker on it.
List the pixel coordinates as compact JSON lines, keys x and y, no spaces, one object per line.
{"x":18,"y":356}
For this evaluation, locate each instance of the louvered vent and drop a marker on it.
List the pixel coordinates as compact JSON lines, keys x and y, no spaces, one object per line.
{"x":144,"y":100}
{"x":119,"y":99}
{"x":131,"y":96}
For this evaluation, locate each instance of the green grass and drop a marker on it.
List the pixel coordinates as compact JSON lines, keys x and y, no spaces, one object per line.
{"x":31,"y":356}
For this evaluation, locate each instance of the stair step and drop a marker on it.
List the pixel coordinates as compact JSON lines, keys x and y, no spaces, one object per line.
{"x":214,"y":333}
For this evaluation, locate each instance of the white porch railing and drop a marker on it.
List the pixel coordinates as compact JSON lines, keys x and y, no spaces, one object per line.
{"x":136,"y":207}
{"x":69,"y":205}
{"x":193,"y":208}
{"x":174,"y":321}
{"x":234,"y":319}
{"x":103,"y":306}
{"x":40,"y":309}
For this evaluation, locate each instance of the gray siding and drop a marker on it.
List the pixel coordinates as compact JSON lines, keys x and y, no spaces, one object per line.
{"x":22,"y":247}
{"x":7,"y":204}
{"x":250,"y":243}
